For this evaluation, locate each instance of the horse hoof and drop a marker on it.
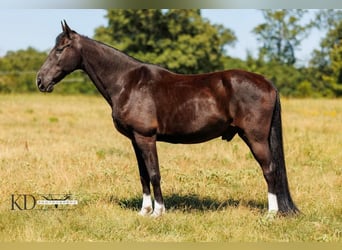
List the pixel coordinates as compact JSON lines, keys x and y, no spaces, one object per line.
{"x":146,"y":211}
{"x":156,"y":215}
{"x":271,"y":215}
{"x":158,"y":212}
{"x":268,"y":218}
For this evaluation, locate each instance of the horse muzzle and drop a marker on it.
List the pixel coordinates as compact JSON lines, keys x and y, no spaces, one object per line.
{"x":44,"y":87}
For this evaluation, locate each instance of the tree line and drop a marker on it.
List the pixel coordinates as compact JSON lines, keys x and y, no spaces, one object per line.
{"x":185,"y":42}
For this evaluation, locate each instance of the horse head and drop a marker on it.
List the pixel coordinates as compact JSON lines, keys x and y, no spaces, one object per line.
{"x":64,"y":58}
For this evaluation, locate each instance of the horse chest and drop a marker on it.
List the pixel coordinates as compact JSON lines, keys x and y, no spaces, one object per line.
{"x":136,"y":117}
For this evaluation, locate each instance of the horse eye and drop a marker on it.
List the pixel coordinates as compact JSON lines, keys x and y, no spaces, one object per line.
{"x":60,"y":49}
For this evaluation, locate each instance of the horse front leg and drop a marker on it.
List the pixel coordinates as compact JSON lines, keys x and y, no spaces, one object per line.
{"x":146,"y":208}
{"x":146,"y":152}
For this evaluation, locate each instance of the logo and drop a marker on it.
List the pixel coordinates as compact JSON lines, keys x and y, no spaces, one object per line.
{"x":42,"y":201}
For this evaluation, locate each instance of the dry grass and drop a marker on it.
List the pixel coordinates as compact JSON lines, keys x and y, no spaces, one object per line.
{"x":214,"y":191}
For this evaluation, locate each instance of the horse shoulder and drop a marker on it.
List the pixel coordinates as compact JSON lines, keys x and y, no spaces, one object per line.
{"x":136,"y":109}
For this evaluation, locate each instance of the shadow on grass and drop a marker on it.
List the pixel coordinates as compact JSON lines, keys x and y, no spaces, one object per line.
{"x":190,"y":202}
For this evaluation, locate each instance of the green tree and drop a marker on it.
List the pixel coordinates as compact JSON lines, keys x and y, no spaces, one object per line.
{"x":18,"y":70}
{"x":335,"y":78}
{"x":281,"y":34}
{"x":180,"y":40}
{"x":326,"y":62}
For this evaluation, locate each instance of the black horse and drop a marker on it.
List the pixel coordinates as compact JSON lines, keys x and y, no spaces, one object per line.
{"x":150,"y":103}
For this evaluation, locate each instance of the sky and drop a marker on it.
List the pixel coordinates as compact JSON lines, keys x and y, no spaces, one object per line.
{"x":38,"y":28}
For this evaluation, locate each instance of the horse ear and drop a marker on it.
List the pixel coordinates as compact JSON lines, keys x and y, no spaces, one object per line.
{"x":66,"y":29}
{"x":63,"y":28}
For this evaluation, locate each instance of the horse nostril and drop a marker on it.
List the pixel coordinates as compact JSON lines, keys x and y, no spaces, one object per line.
{"x":39,"y":82}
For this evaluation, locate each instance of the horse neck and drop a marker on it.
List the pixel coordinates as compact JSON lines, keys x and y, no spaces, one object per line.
{"x":104,"y":66}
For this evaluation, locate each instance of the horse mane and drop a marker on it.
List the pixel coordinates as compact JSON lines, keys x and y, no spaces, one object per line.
{"x":125,"y":54}
{"x":113,"y":48}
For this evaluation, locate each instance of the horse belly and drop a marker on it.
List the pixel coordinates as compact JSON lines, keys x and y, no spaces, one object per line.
{"x":194,"y":137}
{"x":193,"y":123}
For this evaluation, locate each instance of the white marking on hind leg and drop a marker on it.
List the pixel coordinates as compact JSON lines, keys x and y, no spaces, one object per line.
{"x":146,"y":208}
{"x":272,"y":203}
{"x":159,"y":209}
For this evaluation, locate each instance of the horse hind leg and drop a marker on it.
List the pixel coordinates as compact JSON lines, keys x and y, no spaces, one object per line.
{"x":260,"y":149}
{"x":279,"y":198}
{"x":259,"y":146}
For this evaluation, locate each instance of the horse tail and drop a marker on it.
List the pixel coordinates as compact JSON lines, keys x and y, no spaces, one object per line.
{"x":285,"y":203}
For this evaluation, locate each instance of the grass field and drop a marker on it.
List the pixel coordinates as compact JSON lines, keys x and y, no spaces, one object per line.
{"x":213,"y":191}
